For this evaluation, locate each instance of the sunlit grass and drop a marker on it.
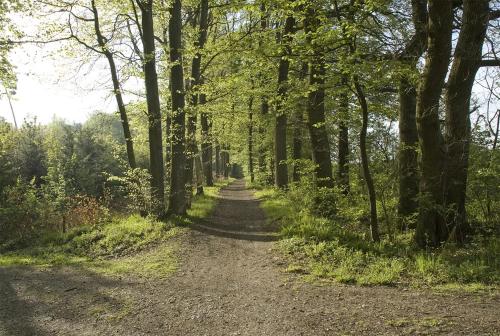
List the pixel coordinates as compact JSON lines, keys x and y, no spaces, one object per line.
{"x":325,"y":249}
{"x":126,"y":245}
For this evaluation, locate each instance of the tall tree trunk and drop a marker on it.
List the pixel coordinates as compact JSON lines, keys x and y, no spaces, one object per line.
{"x":298,"y":125}
{"x":168,"y":145}
{"x":264,"y":111}
{"x":199,"y":175}
{"x":264,"y":104}
{"x":116,"y":88}
{"x":343,"y":144}
{"x":154,"y":111}
{"x":297,"y":143}
{"x":281,"y":174}
{"x":320,"y":144}
{"x":408,"y":136}
{"x":195,"y":82}
{"x":250,"y":140}
{"x":206,"y":145}
{"x":365,"y":163}
{"x":431,"y":227}
{"x":466,"y":62}
{"x":177,"y":204}
{"x":217,"y":160}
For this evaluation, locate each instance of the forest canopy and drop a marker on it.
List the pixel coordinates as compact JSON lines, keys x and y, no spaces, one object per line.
{"x":374,"y":121}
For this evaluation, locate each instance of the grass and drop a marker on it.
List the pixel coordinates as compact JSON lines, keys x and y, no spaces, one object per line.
{"x":203,"y":204}
{"x":129,"y":245}
{"x":322,"y":248}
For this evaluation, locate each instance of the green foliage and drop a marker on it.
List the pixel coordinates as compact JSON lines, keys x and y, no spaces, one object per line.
{"x":327,"y":249}
{"x":19,"y":211}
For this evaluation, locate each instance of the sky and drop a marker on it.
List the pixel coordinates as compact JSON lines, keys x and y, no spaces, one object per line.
{"x":45,"y":90}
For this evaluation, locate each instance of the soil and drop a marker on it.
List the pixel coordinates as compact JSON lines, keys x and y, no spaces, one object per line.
{"x":230,"y":281}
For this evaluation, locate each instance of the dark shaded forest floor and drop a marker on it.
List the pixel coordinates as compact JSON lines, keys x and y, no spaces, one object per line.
{"x":229,"y":282}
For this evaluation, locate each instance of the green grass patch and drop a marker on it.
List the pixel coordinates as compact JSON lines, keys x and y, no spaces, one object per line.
{"x":325,"y":249}
{"x":203,"y":205}
{"x":129,"y":245}
{"x":274,"y":203}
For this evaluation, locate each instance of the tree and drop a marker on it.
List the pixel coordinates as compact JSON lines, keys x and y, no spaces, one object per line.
{"x":117,"y":91}
{"x":431,"y":228}
{"x":466,"y":62}
{"x":316,"y":100}
{"x":280,"y":155}
{"x":195,"y":96}
{"x":153,"y":102}
{"x":408,"y":137}
{"x":177,"y":204}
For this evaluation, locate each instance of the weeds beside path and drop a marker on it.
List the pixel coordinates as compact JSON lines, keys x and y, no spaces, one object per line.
{"x":229,"y":282}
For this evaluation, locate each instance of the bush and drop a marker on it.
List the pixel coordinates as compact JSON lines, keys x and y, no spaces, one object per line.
{"x":19,"y":211}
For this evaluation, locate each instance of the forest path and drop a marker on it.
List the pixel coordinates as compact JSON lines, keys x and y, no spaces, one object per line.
{"x":230,"y":282}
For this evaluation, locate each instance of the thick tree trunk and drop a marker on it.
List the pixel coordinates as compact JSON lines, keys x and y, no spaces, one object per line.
{"x":431,"y":227}
{"x":466,"y":62}
{"x":250,"y":140}
{"x":408,"y":164}
{"x":177,"y":204}
{"x":365,"y":163}
{"x":408,"y":136}
{"x":280,"y":155}
{"x":320,"y":144}
{"x":116,"y":88}
{"x":154,"y":111}
{"x":206,"y":145}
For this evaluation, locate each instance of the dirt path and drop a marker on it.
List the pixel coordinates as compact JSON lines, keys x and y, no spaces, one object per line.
{"x":230,"y":282}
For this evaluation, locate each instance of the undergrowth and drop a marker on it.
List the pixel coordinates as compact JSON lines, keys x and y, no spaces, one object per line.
{"x":332,"y":249}
{"x":123,"y":245}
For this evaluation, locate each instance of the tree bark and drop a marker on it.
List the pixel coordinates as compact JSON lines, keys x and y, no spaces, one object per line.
{"x":217,"y":160}
{"x":250,"y":140}
{"x":195,"y":82}
{"x":117,"y":91}
{"x":408,"y":164}
{"x":465,"y":64}
{"x":206,"y":145}
{"x":343,"y":144}
{"x":154,"y":111}
{"x":431,"y":229}
{"x":280,"y":155}
{"x":298,"y":125}
{"x":264,"y":105}
{"x":316,"y":105}
{"x":177,"y":204}
{"x":365,"y":163}
{"x":408,"y":136}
